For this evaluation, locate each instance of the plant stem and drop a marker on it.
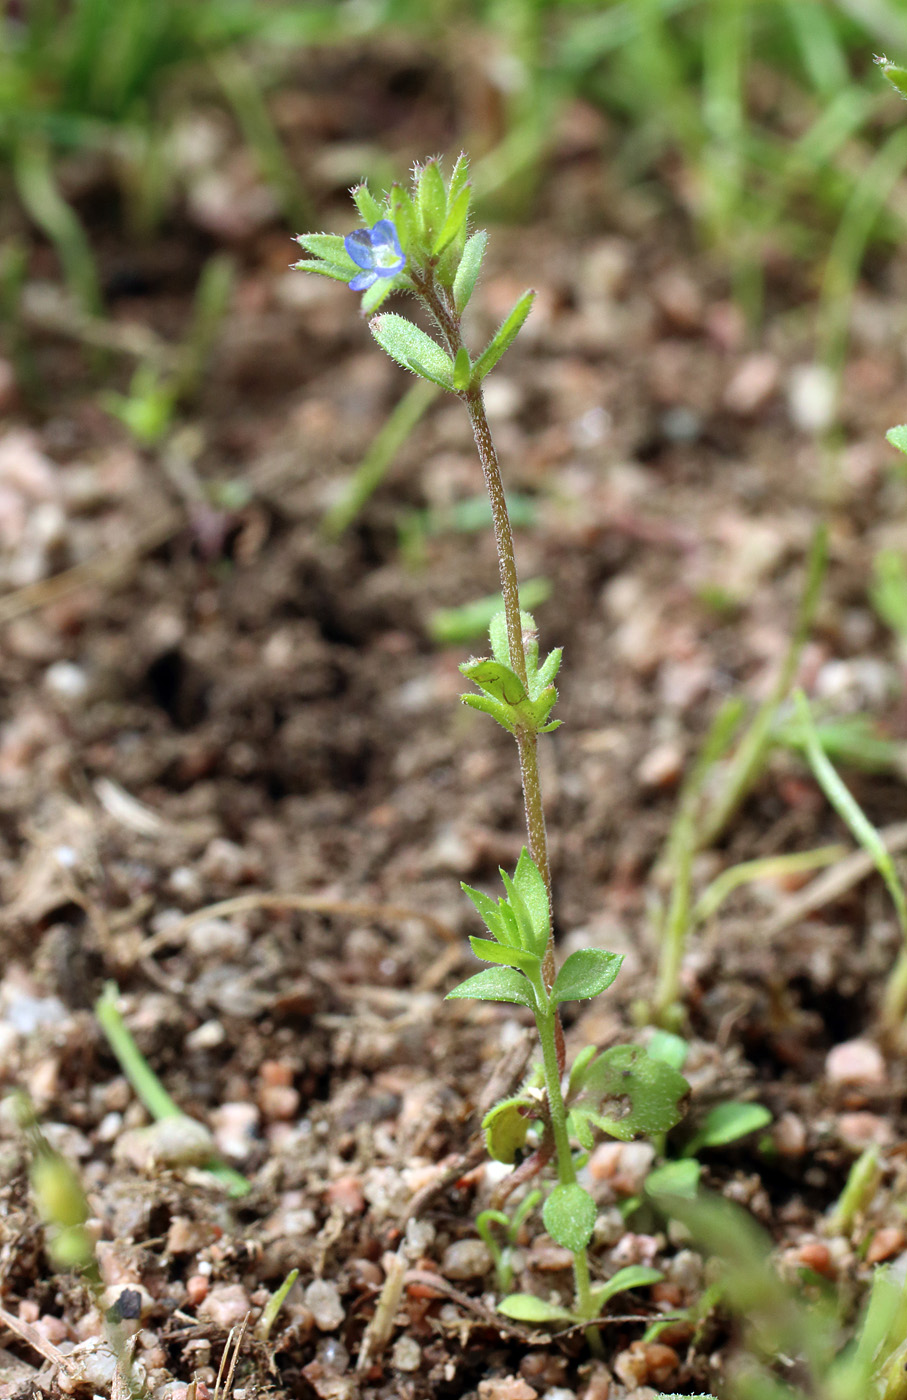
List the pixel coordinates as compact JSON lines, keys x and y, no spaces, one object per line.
{"x":547,"y":1021}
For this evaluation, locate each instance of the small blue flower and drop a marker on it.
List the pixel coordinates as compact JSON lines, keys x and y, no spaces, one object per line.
{"x":377,"y":251}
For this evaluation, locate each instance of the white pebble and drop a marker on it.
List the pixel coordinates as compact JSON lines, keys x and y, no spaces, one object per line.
{"x":323,"y":1301}
{"x":811,"y":397}
{"x":66,"y":681}
{"x":406,"y":1355}
{"x":218,"y":938}
{"x":855,"y":1062}
{"x":466,"y":1259}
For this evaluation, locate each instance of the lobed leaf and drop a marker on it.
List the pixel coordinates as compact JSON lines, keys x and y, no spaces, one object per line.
{"x":569,"y":1215}
{"x":495,"y":984}
{"x":586,"y":972}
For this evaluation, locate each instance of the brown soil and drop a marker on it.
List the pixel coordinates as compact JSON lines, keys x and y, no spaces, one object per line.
{"x":223,"y":703}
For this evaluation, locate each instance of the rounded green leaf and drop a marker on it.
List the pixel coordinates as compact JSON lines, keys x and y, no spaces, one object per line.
{"x":633,"y":1276}
{"x":898,"y":437}
{"x":506,"y":1127}
{"x":569,"y":1215}
{"x":675,"y":1179}
{"x":412,"y":348}
{"x":525,"y":1307}
{"x":586,"y":972}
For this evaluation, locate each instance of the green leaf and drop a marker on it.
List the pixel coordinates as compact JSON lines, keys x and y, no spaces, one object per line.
{"x":525,"y":1307}
{"x":412,"y":348}
{"x":498,"y":711}
{"x":503,"y":338}
{"x":403,"y":216}
{"x":528,"y":881}
{"x":727,"y":1122}
{"x":495,"y":679}
{"x":488,"y":912}
{"x":569,"y":1215}
{"x":376,"y":294}
{"x":896,"y":75}
{"x":898,"y":437}
{"x":329,"y":247}
{"x":455,"y":223}
{"x":458,"y":177}
{"x":586,"y":972}
{"x":670,"y":1048}
{"x":491,"y":952}
{"x":431,"y":201}
{"x":578,"y":1070}
{"x":368,"y":206}
{"x":633,"y":1276}
{"x":651,"y":1093}
{"x":340,"y":274}
{"x":468,"y":271}
{"x":506,"y":1127}
{"x":462,"y":369}
{"x":521,"y":913}
{"x":495,"y":984}
{"x":549,"y":669}
{"x":675,"y":1179}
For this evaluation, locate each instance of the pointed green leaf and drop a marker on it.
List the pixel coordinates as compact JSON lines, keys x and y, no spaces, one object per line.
{"x":549,"y":669}
{"x":340,"y":274}
{"x":455,"y":222}
{"x":728,"y":1122}
{"x":898,"y":437}
{"x":495,"y":984}
{"x":403,"y":216}
{"x":458,"y":177}
{"x":498,"y":711}
{"x":329,"y":247}
{"x":896,"y":75}
{"x":431,"y":200}
{"x":468,"y":271}
{"x":521,"y":913}
{"x":675,"y":1179}
{"x":462,"y":369}
{"x":506,"y":1127}
{"x":492,"y":952}
{"x":580,"y":1127}
{"x":375,"y":295}
{"x":532,"y":890}
{"x":525,"y":1307}
{"x":633,"y":1276}
{"x":539,"y":709}
{"x":586,"y":972}
{"x":569,"y":1215}
{"x":503,"y":338}
{"x":412,"y":348}
{"x":371,"y":211}
{"x":488,"y":912}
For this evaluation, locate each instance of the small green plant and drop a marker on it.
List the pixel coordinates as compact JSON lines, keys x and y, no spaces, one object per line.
{"x":510,"y":1225}
{"x":418,"y":241}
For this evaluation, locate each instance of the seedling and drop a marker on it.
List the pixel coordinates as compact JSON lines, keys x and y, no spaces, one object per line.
{"x":418,"y":241}
{"x":502,"y":1254}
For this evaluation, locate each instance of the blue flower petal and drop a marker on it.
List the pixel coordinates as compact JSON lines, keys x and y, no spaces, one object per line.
{"x":363,"y":280}
{"x":360,"y":247}
{"x":385,"y":232}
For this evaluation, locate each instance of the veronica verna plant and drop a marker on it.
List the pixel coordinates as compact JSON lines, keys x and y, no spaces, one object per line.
{"x":418,"y":241}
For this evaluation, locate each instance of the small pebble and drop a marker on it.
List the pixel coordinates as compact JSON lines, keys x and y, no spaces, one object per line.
{"x":860,"y":1130}
{"x":752,"y":385}
{"x":811,"y":398}
{"x":235,"y":1129}
{"x":406,"y":1355}
{"x":278,"y":1102}
{"x":855,"y":1062}
{"x":598,"y":1386}
{"x":506,"y":1388}
{"x":346,"y":1192}
{"x":196,"y":1289}
{"x":217,"y":938}
{"x":645,"y":1361}
{"x":886,"y":1243}
{"x":815,"y":1255}
{"x":226,"y":1305}
{"x":662,"y":766}
{"x":66,"y":682}
{"x":323,"y":1301}
{"x":789,"y":1136}
{"x":466,"y":1259}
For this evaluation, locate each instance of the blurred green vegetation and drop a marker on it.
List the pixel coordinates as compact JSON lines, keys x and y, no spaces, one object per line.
{"x":765,"y":119}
